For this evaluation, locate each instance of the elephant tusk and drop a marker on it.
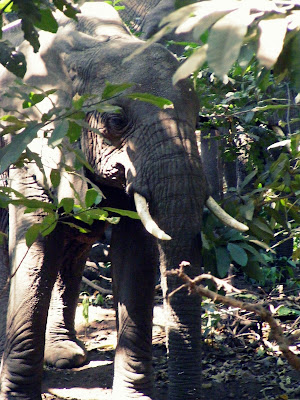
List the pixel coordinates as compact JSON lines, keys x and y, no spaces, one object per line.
{"x":227,"y":219}
{"x":147,"y":221}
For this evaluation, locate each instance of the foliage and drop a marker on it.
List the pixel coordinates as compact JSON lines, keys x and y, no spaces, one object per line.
{"x":253,"y":105}
{"x":246,"y":51}
{"x":234,"y":30}
{"x":34,"y":14}
{"x":268,"y":198}
{"x":225,"y":32}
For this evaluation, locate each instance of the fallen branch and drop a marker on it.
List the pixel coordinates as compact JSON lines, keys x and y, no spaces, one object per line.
{"x":94,"y":286}
{"x":276,"y":331}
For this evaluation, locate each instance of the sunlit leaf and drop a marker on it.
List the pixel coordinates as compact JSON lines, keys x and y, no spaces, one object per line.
{"x":272,"y":34}
{"x":6,"y":5}
{"x":124,"y":213}
{"x":160,"y":102}
{"x":206,"y":21}
{"x":78,"y":227}
{"x":32,"y":234}
{"x":225,"y":41}
{"x":111,"y":90}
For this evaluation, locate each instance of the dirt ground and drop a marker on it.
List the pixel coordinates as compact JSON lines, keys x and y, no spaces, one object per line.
{"x":239,"y":360}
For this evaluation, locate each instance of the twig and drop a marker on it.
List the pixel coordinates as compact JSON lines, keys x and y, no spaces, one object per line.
{"x":94,"y":286}
{"x":276,"y":330}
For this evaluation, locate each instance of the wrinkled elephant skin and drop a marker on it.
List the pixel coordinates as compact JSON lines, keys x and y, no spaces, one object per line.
{"x":142,"y":149}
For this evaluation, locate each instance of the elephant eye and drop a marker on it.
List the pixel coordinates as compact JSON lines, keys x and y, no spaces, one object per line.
{"x":115,"y":124}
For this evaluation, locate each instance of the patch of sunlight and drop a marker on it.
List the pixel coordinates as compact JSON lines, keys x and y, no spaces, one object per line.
{"x":81,"y":393}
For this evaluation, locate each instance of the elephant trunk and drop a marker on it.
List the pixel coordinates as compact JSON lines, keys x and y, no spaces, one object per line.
{"x":178,"y":194}
{"x":182,"y":310}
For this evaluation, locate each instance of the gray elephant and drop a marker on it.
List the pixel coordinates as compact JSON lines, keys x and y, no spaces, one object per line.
{"x":145,"y":159}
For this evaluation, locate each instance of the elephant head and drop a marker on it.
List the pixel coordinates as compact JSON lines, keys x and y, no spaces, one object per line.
{"x":144,"y":158}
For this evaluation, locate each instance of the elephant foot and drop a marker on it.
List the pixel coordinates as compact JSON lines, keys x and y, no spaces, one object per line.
{"x":65,"y":353}
{"x":123,"y":390}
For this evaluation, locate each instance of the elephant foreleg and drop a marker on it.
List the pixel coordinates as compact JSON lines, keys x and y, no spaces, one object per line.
{"x":134,"y":272}
{"x":35,"y":273}
{"x":63,"y":349}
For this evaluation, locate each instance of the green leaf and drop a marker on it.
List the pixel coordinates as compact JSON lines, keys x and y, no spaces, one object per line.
{"x":88,"y":216}
{"x":247,"y":210}
{"x":30,"y":33}
{"x":11,"y":59}
{"x":160,"y":102}
{"x":32,"y":234}
{"x":18,"y":144}
{"x":92,"y":197}
{"x":85,"y":308}
{"x":248,"y":178}
{"x":78,"y":101}
{"x":55,"y":177}
{"x":238,"y":254}
{"x":252,"y":250}
{"x":7,"y":5}
{"x":59,"y":132}
{"x":111,"y":90}
{"x":78,"y":227}
{"x":225,"y":41}
{"x":33,"y":204}
{"x":283,"y":311}
{"x":262,"y":245}
{"x":47,"y":21}
{"x":97,"y":214}
{"x":223,"y":261}
{"x":124,"y":213}
{"x":193,"y":63}
{"x":67,"y":203}
{"x":74,"y":131}
{"x":48,"y":224}
{"x":34,"y":98}
{"x":80,"y":157}
{"x":262,"y":226}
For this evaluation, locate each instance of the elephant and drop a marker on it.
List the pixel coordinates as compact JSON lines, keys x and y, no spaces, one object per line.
{"x":143,"y":158}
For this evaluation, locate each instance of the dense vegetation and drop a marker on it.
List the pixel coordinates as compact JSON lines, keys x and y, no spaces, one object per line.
{"x":244,"y":59}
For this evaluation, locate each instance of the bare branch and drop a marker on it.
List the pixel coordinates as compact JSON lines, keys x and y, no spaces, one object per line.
{"x":276,"y":330}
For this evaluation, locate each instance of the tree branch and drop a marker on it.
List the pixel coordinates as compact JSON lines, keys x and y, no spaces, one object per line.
{"x":276,"y":330}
